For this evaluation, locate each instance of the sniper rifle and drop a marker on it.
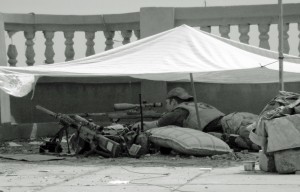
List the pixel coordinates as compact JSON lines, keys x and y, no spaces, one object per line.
{"x":127,"y":111}
{"x":85,"y":130}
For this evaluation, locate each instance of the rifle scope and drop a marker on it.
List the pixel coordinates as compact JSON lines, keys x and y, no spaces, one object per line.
{"x":126,"y":106}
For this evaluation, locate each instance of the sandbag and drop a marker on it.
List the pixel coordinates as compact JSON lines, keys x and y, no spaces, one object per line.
{"x":188,"y":141}
{"x":276,"y":117}
{"x":240,"y":123}
{"x":277,"y":131}
{"x":237,"y":123}
{"x":287,"y":161}
{"x":285,"y":103}
{"x":283,"y":133}
{"x":266,"y":162}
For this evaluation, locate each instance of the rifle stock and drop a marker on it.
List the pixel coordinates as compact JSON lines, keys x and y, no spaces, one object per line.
{"x":87,"y":123}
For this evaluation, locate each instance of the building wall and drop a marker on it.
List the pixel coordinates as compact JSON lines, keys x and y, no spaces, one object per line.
{"x":237,"y":97}
{"x":95,"y":97}
{"x":72,"y":97}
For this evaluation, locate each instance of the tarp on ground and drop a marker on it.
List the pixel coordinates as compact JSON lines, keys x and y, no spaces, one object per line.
{"x":278,"y":127}
{"x":168,"y":56}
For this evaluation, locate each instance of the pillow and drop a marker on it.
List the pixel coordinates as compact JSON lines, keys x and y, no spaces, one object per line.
{"x":188,"y":141}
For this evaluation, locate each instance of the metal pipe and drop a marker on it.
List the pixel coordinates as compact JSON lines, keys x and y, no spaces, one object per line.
{"x":195,"y":100}
{"x":280,"y":36}
{"x":141,"y":111}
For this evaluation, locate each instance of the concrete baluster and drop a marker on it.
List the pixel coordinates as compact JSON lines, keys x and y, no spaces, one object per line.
{"x":49,"y":51}
{"x":244,"y":30}
{"x":90,"y":36}
{"x":206,"y":29}
{"x":69,"y":50}
{"x":126,"y":34}
{"x":29,"y":53}
{"x":109,"y":35}
{"x":137,"y":33}
{"x":286,"y":46}
{"x":12,"y":52}
{"x":263,"y":36}
{"x":224,"y":30}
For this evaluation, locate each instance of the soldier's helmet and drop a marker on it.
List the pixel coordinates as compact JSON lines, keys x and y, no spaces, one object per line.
{"x":180,"y":93}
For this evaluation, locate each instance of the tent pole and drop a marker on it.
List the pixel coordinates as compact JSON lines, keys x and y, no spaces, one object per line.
{"x":280,"y":36}
{"x":195,"y":100}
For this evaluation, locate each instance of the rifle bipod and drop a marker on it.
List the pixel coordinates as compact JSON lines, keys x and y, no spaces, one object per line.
{"x":85,"y":148}
{"x":54,"y":145}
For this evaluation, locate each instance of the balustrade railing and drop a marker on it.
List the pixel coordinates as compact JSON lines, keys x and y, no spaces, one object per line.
{"x":223,"y":20}
{"x":262,"y":16}
{"x":29,"y":24}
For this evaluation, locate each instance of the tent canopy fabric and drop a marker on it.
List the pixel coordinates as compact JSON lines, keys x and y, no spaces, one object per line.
{"x":168,"y":56}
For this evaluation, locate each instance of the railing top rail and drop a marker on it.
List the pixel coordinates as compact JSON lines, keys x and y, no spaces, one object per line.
{"x":32,"y":18}
{"x":16,"y":22}
{"x":251,"y":14}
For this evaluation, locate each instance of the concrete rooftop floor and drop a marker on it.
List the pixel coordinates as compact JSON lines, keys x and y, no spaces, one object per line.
{"x":18,"y":176}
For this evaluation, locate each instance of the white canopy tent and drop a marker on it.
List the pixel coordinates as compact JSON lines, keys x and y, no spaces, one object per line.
{"x":168,"y":56}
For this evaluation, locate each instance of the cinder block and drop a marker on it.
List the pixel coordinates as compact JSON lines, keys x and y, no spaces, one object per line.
{"x":287,"y":161}
{"x":266,"y":163}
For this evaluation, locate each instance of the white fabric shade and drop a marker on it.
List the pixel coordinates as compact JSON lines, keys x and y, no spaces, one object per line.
{"x":167,"y":56}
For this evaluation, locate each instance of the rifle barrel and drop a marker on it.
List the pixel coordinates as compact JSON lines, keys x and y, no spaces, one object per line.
{"x":45,"y":110}
{"x":87,"y":114}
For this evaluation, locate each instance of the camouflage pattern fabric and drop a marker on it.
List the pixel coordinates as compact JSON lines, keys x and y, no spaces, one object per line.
{"x":240,"y":125}
{"x":284,"y":104}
